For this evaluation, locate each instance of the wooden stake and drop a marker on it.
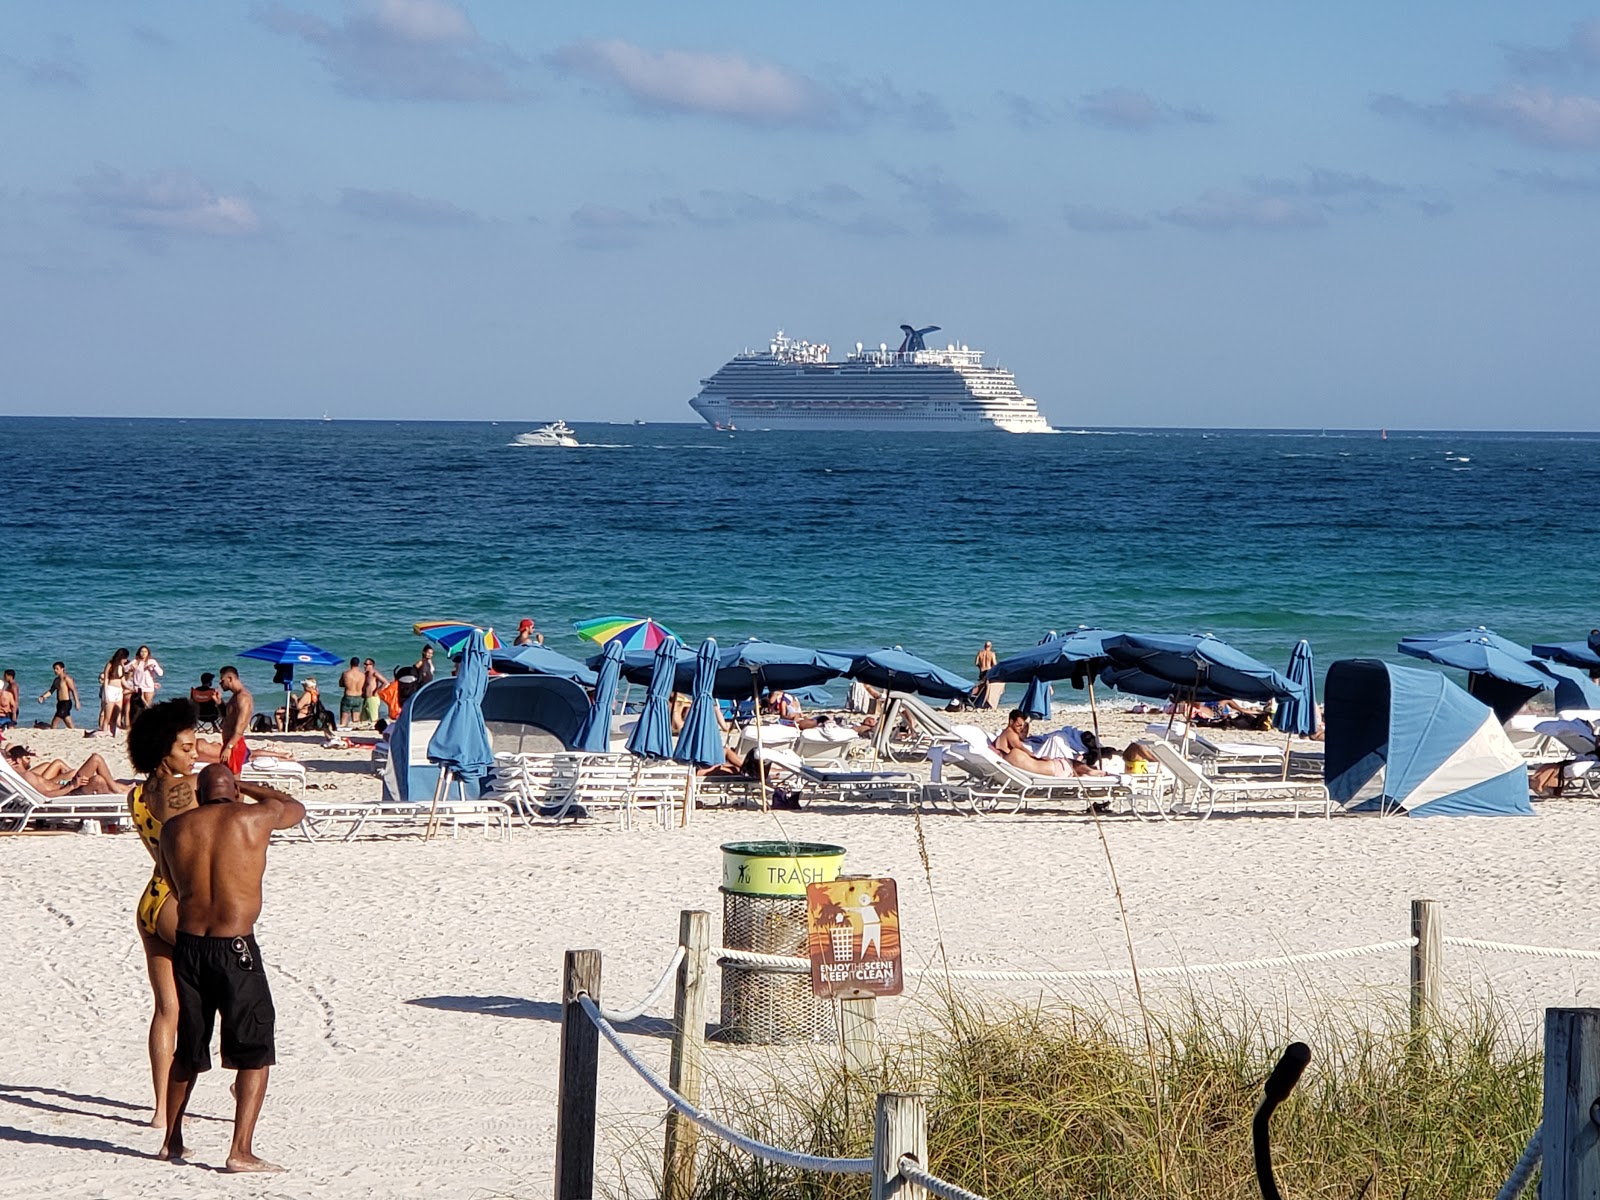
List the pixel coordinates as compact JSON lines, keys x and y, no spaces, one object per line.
{"x":580,"y":1064}
{"x":858,"y":1031}
{"x":1427,"y":959}
{"x":900,"y":1128}
{"x":688,"y":1052}
{"x":1571,"y":1169}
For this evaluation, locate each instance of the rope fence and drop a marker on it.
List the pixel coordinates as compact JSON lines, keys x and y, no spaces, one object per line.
{"x":912,"y":1170}
{"x":623,"y":1016}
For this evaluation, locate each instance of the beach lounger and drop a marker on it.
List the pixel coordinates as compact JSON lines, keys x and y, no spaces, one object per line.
{"x":790,"y":770}
{"x":1216,"y":756}
{"x":21,"y":804}
{"x":929,"y":727}
{"x":829,"y":744}
{"x":991,"y":784}
{"x":281,"y":773}
{"x":1202,"y":792}
{"x":349,"y":819}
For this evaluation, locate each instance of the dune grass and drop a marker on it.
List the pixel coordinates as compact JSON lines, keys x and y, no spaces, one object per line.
{"x":1057,"y":1102}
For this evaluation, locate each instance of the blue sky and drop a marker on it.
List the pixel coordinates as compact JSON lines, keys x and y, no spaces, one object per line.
{"x":1163,"y":214}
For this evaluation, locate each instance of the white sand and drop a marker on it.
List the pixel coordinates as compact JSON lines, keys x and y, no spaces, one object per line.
{"x":416,"y":983}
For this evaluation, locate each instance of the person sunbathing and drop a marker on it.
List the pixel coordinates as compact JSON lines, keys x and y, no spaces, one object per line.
{"x":56,"y":778}
{"x":1012,"y":745}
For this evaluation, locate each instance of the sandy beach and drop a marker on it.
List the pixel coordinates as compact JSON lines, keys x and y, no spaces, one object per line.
{"x":416,"y":983}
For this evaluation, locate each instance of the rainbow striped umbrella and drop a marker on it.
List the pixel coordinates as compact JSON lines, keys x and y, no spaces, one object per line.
{"x":451,"y":636}
{"x":633,"y":633}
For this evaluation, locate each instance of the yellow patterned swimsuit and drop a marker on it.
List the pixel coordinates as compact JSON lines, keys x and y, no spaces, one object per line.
{"x":158,"y":889}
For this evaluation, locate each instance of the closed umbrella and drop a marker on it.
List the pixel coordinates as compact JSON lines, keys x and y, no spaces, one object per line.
{"x":652,"y":736}
{"x":595,"y":735}
{"x":1036,"y":700}
{"x":1297,"y":714}
{"x":700,"y":741}
{"x":460,"y":745}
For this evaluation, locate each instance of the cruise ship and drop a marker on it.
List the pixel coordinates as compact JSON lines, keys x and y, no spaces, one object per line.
{"x":794,"y":385}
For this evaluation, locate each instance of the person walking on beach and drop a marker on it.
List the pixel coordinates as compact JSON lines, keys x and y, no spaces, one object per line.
{"x":373,"y":683}
{"x":10,"y":699}
{"x":143,"y":670}
{"x":354,"y":682}
{"x":65,"y":691}
{"x":111,"y":691}
{"x":215,"y":856}
{"x":161,"y":747}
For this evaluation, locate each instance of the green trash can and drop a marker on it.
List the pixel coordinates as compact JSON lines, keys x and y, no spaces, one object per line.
{"x":764,"y":910}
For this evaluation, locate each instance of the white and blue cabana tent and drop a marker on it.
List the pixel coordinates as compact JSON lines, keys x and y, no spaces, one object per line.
{"x":1407,"y":739}
{"x":533,"y":714}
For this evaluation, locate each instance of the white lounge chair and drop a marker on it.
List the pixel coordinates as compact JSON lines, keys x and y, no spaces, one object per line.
{"x":1203,"y":791}
{"x":282,"y":773}
{"x":21,"y":803}
{"x":348,"y":819}
{"x":1215,"y":755}
{"x":901,"y":786}
{"x":929,"y":727}
{"x":991,"y":784}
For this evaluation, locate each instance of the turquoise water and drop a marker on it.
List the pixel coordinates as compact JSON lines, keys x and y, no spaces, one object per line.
{"x":202,"y":538}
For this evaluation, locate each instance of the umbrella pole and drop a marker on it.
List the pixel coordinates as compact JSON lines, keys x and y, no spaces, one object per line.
{"x":1288,"y":736}
{"x":439,"y":791}
{"x":761,"y":769}
{"x":1094,"y":713}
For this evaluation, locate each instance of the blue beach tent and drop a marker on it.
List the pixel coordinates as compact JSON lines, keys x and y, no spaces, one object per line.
{"x":1407,"y":739}
{"x":533,"y":714}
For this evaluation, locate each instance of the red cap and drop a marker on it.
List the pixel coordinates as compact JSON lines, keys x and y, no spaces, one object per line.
{"x":527,"y":623}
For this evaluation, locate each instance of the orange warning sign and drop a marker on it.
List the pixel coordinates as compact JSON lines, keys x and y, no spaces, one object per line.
{"x":853,"y":935}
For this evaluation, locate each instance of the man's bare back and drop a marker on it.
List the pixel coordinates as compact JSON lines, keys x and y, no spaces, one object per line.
{"x":353,"y":681}
{"x":215,"y":854}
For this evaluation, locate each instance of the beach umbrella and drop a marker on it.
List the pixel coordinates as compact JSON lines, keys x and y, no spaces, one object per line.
{"x":1500,"y":672}
{"x":1036,"y":700}
{"x":652,"y":735}
{"x":291,"y":653}
{"x":1078,"y":656}
{"x":460,"y":745}
{"x":1298,"y":714}
{"x":744,"y":668}
{"x":1574,"y":688}
{"x":451,"y":636}
{"x":635,"y":633}
{"x":897,"y":670}
{"x":700,"y":741}
{"x":1574,"y":654}
{"x":1196,"y":662}
{"x":595,"y":735}
{"x":535,"y":659}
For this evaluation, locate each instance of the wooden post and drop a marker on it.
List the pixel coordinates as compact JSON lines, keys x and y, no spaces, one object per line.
{"x":858,"y":1029}
{"x":900,"y":1127}
{"x":580,"y":1063}
{"x":1427,"y":960}
{"x":688,"y":1052}
{"x":1571,"y":1169}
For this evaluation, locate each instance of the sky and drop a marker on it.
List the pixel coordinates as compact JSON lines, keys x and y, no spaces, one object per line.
{"x":1229,"y":214}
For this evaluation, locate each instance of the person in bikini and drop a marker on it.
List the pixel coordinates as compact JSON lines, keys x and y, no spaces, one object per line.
{"x":354,"y":682}
{"x":215,"y":855}
{"x":56,"y":778}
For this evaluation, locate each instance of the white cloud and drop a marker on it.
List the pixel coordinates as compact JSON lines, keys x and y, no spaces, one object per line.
{"x":1536,"y":116}
{"x":1219,"y":211}
{"x":167,"y":202}
{"x":404,"y":208}
{"x":1580,"y":52}
{"x":403,"y":50}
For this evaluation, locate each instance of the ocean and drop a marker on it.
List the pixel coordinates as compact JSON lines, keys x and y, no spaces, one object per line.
{"x":202,"y":538}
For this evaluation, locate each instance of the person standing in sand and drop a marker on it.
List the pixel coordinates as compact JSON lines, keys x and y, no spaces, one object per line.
{"x":10,"y":699}
{"x":65,"y":690}
{"x":424,"y":667}
{"x":374,"y":683}
{"x":161,"y":746}
{"x":215,"y":855}
{"x":143,"y":670}
{"x":111,"y":691}
{"x":236,"y":714}
{"x":354,"y":682}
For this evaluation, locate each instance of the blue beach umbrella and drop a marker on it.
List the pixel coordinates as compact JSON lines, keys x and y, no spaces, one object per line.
{"x":291,"y":652}
{"x":897,"y":670}
{"x":1573,"y":654}
{"x":1198,"y":663}
{"x":1500,"y":672}
{"x":1574,"y":688}
{"x":652,"y":736}
{"x":595,"y":735}
{"x":534,"y":659}
{"x":1298,"y":714}
{"x":744,"y":668}
{"x":700,"y":742}
{"x":1079,"y":654}
{"x":460,"y":744}
{"x":1036,"y":700}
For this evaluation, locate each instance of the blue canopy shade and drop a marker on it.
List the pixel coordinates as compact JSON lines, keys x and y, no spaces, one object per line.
{"x":1198,"y":661}
{"x":1574,"y":654}
{"x":1036,"y":700}
{"x":652,"y":736}
{"x":1480,"y":651}
{"x":1135,"y":682}
{"x":744,"y":668}
{"x":1298,"y":714}
{"x":1408,"y":739}
{"x":293,"y":650}
{"x":534,"y":659}
{"x":1075,"y":655}
{"x":595,"y":736}
{"x":700,"y":740}
{"x":1574,"y":688}
{"x":900,"y":671}
{"x":461,"y":743}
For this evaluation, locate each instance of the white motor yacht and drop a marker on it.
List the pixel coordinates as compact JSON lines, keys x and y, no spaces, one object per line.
{"x":557,"y":433}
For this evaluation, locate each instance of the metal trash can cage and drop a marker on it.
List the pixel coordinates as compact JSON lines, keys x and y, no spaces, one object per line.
{"x":764,"y":910}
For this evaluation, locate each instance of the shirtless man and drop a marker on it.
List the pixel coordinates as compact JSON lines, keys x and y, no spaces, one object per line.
{"x":354,"y":682}
{"x":9,"y":699}
{"x":373,"y":684}
{"x":214,"y":856}
{"x":1012,"y":745}
{"x":236,"y":713}
{"x":65,"y":690}
{"x":55,"y":778}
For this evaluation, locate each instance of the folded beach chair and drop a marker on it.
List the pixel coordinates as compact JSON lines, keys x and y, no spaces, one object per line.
{"x":1202,"y":791}
{"x":22,"y":803}
{"x":786,"y":766}
{"x":929,"y":727}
